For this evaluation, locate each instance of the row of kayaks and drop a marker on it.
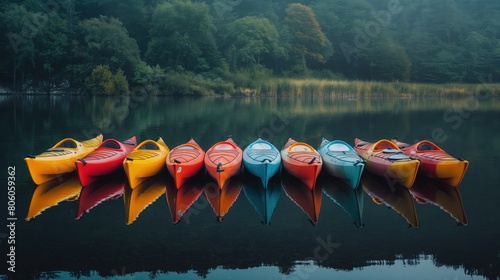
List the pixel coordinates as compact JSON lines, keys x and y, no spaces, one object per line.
{"x":396,"y":161}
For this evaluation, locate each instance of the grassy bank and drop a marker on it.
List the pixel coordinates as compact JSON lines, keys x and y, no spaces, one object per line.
{"x":357,"y":89}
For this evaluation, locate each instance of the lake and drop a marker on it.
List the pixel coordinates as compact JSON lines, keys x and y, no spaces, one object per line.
{"x":112,"y":232}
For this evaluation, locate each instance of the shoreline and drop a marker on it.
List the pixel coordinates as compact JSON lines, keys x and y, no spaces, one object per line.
{"x":298,"y":87}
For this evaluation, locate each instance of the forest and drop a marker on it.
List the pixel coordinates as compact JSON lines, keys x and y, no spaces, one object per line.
{"x":223,"y":46}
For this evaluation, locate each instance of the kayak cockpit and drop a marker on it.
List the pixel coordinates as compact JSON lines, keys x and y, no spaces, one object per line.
{"x":67,"y":143}
{"x":111,"y":144}
{"x":427,"y":146}
{"x":338,"y":147}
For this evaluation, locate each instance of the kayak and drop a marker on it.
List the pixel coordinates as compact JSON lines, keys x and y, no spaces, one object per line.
{"x":185,"y":161}
{"x":104,"y":160}
{"x":384,"y":158}
{"x":223,"y":160}
{"x":145,"y":161}
{"x":342,"y":161}
{"x":262,"y":159}
{"x":435,"y":162}
{"x":59,"y":159}
{"x":302,"y":161}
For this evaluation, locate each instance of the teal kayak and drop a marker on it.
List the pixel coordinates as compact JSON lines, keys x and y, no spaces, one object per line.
{"x":262,"y":159}
{"x":342,"y":161}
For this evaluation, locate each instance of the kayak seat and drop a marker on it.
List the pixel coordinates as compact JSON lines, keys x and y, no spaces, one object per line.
{"x":111,"y":145}
{"x":149,"y":146}
{"x":67,"y":144}
{"x":338,"y":148}
{"x":425,"y":147}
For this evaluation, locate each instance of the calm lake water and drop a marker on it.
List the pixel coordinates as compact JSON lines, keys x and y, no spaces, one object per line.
{"x":121,"y":234}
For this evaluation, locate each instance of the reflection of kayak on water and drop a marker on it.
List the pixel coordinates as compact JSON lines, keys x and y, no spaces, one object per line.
{"x":442,"y":195}
{"x":180,"y":199}
{"x":351,"y":200}
{"x":51,"y":193}
{"x":106,"y":188}
{"x":222,"y":199}
{"x":139,"y":198}
{"x":395,"y":196}
{"x":264,"y":200}
{"x":309,"y":200}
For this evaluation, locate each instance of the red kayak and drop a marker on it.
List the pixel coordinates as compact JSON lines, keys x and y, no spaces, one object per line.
{"x":383,"y":158}
{"x":184,"y":161}
{"x":435,"y":162}
{"x":302,"y":161}
{"x":105,"y":159}
{"x":223,"y":160}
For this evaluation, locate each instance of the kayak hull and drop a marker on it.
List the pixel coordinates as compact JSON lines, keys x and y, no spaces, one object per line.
{"x":145,"y":161}
{"x":384,"y":158}
{"x":104,"y":160}
{"x":262,"y":159}
{"x":59,"y":159}
{"x":185,"y":161}
{"x":341,"y":161}
{"x":223,"y":160}
{"x":301,"y":161}
{"x":435,"y":162}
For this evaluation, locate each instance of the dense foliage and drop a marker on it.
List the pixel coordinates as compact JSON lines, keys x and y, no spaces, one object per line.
{"x":217,"y":46}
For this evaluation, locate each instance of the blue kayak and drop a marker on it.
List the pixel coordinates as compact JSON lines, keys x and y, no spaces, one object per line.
{"x":342,"y":161}
{"x":262,"y":159}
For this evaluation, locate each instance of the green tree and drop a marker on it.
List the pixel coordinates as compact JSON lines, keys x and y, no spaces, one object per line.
{"x":104,"y":40}
{"x":251,"y":39}
{"x":308,"y":40}
{"x":36,"y":43}
{"x":385,"y":60}
{"x":183,"y":37}
{"x":132,"y":13}
{"x":103,"y":81}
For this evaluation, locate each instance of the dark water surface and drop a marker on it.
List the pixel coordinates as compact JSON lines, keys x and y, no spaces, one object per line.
{"x":100,"y":244}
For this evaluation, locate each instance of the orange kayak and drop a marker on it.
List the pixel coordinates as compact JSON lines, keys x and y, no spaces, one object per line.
{"x":302,"y":161}
{"x":223,"y":160}
{"x":435,"y":162}
{"x":384,"y":158}
{"x":184,"y":161}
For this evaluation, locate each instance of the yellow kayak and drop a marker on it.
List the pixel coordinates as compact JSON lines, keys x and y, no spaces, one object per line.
{"x":145,"y":161}
{"x":59,"y":159}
